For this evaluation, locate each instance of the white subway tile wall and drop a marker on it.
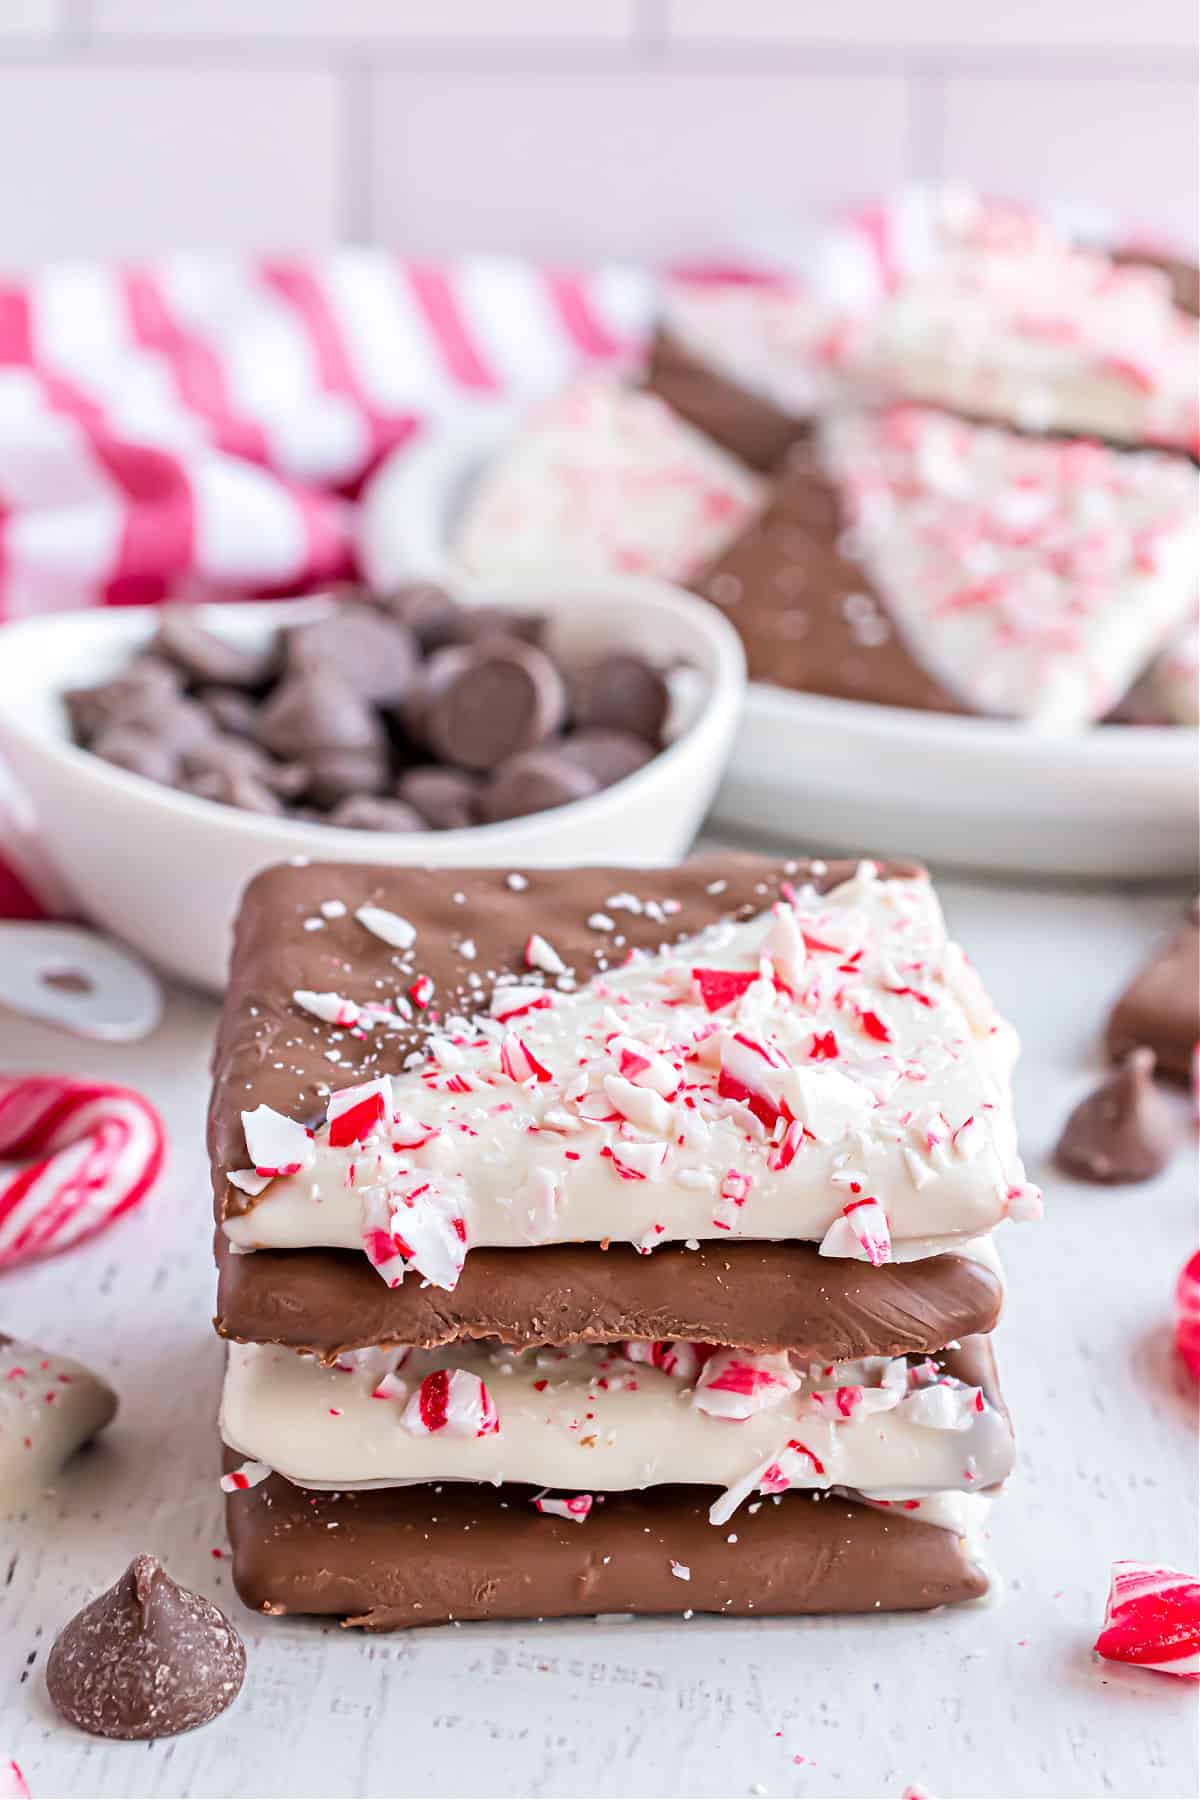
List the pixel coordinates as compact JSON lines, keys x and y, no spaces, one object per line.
{"x":578,"y":128}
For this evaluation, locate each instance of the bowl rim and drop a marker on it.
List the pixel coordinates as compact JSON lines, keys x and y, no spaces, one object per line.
{"x":725,"y":682}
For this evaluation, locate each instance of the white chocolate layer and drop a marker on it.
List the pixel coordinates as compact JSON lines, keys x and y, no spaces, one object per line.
{"x":590,"y":1419}
{"x":1034,"y":578}
{"x":50,"y":1406}
{"x":604,"y":478}
{"x":862,"y":1059}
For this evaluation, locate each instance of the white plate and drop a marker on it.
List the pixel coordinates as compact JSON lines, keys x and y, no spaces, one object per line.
{"x":165,"y":870}
{"x":1117,"y":801}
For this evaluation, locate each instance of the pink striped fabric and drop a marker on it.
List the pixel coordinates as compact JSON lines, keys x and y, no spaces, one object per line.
{"x":199,"y":426}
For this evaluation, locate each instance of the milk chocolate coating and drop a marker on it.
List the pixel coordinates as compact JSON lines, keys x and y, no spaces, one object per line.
{"x":146,"y":1659}
{"x":809,"y":616}
{"x":1161,"y":1006}
{"x":269,"y":1051}
{"x":1125,"y":1131}
{"x":759,"y":1296}
{"x":745,"y":423}
{"x":1184,"y":276}
{"x":399,"y":1557}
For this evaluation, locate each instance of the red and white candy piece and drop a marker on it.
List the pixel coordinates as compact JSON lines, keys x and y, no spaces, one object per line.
{"x":420,"y":1227}
{"x":1187,"y":1315}
{"x":1152,"y":1619}
{"x":518,"y":1062}
{"x":736,"y":1384}
{"x":541,"y":955}
{"x":454,"y":1401}
{"x":674,"y":1356}
{"x":277,"y":1145}
{"x":841,"y":1403}
{"x":353,"y":1113}
{"x":862,"y":1233}
{"x":13,"y":1785}
{"x":331,"y":1009}
{"x":74,"y":1155}
{"x":246,"y":1475}
{"x":388,"y":926}
{"x":944,"y":1406}
{"x":801,"y":1459}
{"x":576,"y":1506}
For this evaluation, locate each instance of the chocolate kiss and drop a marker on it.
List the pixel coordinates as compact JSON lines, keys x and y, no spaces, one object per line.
{"x":146,"y":1659}
{"x":1125,"y":1131}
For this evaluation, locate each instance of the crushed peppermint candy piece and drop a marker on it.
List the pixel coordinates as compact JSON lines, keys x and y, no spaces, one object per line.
{"x":675,"y":1357}
{"x":333,"y":1009}
{"x":720,"y":988}
{"x":421,"y":1226}
{"x":1187,"y":1315}
{"x":862,"y":1233}
{"x":246,"y":1475}
{"x":249,"y":1181}
{"x":277,"y":1145}
{"x":1152,"y":1619}
{"x":13,"y":1785}
{"x":454,"y":1401}
{"x":575,"y":1506}
{"x":736,"y":1384}
{"x":800,"y":1459}
{"x":388,"y":926}
{"x":681,"y":1571}
{"x":509,"y":1002}
{"x":541,"y":955}
{"x":353,"y":1113}
{"x":944,"y":1406}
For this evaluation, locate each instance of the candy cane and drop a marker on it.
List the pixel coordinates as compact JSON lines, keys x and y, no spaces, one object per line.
{"x":1187,"y":1315}
{"x":76,"y":1154}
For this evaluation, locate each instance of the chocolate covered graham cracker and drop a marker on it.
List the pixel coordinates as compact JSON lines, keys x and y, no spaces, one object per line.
{"x":761,"y":1296}
{"x":398,"y":1557}
{"x":749,"y":425}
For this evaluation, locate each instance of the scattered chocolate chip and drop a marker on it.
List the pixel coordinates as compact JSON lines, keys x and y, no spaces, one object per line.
{"x":482,"y":703}
{"x":130,"y":747}
{"x":447,"y":799}
{"x":202,"y":656}
{"x":534,"y":781}
{"x":373,"y":653}
{"x":146,"y":1659}
{"x":608,"y":755}
{"x":229,"y":710}
{"x":1124,"y":1131}
{"x":370,"y":812}
{"x":621,"y":693}
{"x":428,"y":611}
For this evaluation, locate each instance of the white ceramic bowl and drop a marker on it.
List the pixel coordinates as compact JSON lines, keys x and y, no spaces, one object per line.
{"x":164,"y":870}
{"x":1117,"y":801}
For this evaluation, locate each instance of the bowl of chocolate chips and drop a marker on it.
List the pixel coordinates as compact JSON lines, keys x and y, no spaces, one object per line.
{"x":168,"y":754}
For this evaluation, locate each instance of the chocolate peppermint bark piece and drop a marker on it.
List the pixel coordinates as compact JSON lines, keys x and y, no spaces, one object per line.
{"x":50,"y":1406}
{"x":604,"y":478}
{"x":809,"y":615}
{"x":761,"y":1296}
{"x":400,"y":1557}
{"x":634,"y":1414}
{"x":819,"y":1066}
{"x":1161,"y":1006}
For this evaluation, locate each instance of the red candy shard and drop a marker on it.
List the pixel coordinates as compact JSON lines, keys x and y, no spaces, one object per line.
{"x":1152,"y":1619}
{"x":1187,"y":1315}
{"x":719,"y":988}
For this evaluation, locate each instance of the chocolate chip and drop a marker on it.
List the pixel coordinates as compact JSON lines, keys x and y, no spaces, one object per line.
{"x":91,"y":709}
{"x":316,"y":710}
{"x":608,"y":755}
{"x":447,"y":799}
{"x":236,"y":759}
{"x":371,"y":651}
{"x":621,"y":693}
{"x":474,"y":624}
{"x":482,"y":703}
{"x":129,"y":747}
{"x":425,"y":609}
{"x":534,"y":781}
{"x":368,"y":812}
{"x":335,"y":775}
{"x":234,"y":787}
{"x":230,"y":710}
{"x":204,"y":657}
{"x":1124,"y":1131}
{"x":146,"y":1659}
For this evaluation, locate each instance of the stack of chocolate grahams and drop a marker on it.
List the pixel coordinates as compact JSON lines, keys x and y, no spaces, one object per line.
{"x":608,"y":1241}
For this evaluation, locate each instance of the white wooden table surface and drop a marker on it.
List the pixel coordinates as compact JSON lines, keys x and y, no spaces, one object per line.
{"x":1004,"y":1699}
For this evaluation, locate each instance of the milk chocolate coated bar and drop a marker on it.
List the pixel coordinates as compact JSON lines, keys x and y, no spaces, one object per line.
{"x":396,"y":1557}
